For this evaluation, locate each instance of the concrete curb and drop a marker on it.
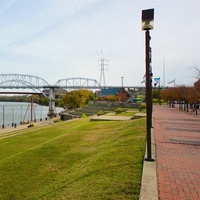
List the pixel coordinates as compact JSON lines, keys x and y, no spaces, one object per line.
{"x":148,"y":188}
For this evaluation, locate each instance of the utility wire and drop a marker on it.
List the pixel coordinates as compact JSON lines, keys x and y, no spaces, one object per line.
{"x":92,"y":26}
{"x":58,"y":29}
{"x":86,"y":17}
{"x":86,"y":24}
{"x":81,"y":22}
{"x":62,"y":24}
{"x":75,"y":30}
{"x":94,"y":32}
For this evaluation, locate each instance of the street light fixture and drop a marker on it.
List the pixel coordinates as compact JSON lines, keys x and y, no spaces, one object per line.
{"x":147,"y":24}
{"x":147,"y":19}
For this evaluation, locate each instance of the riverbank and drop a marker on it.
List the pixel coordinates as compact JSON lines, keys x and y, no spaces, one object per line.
{"x":31,"y":124}
{"x":12,"y":113}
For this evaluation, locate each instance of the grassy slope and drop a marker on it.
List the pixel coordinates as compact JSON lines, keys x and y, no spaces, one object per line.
{"x":74,"y":160}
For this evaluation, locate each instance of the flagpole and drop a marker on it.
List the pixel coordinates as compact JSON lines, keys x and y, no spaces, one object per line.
{"x":164,"y":73}
{"x":159,"y":81}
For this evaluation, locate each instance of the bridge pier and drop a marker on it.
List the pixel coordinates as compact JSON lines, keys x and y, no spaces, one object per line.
{"x":51,"y":112}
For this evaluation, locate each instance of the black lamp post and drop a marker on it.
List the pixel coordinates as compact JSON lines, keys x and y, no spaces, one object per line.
{"x":147,"y":24}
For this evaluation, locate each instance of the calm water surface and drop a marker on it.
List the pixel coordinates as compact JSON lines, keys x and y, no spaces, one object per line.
{"x":16,"y":112}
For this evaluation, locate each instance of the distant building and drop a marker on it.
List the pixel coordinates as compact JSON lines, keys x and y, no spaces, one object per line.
{"x":121,"y":93}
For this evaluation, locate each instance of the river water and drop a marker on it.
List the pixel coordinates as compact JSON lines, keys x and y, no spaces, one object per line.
{"x":17,"y":112}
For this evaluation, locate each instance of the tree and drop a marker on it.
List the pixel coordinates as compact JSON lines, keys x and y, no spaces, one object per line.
{"x":156,"y":93}
{"x":197,"y":72}
{"x":77,"y":98}
{"x":185,"y":96}
{"x":170,"y":95}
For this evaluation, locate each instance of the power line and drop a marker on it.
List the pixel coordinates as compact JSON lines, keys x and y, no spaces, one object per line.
{"x":83,"y":20}
{"x":86,"y":24}
{"x":91,"y":20}
{"x":75,"y":30}
{"x":89,"y":25}
{"x":62,"y":24}
{"x":59,"y":31}
{"x":80,"y":20}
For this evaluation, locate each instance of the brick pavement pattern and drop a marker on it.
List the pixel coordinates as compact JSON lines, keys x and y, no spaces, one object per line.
{"x":177,"y":140}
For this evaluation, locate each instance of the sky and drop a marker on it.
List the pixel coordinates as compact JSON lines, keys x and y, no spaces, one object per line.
{"x":58,"y":39}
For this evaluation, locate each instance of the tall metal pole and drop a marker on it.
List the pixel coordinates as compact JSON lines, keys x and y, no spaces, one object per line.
{"x":122,"y":81}
{"x":148,"y":97}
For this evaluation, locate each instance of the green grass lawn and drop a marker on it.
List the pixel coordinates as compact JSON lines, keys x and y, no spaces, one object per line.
{"x":128,"y":113}
{"x":73,"y":160}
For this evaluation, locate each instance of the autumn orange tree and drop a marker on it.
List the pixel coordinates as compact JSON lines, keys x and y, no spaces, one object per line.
{"x":182,"y":92}
{"x":185,"y":96}
{"x":170,"y":95}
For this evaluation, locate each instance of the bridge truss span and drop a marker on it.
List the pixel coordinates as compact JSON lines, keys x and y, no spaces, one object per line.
{"x":9,"y":81}
{"x":77,"y":83}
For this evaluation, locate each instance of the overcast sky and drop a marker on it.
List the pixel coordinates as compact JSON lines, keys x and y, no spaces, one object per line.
{"x":57,"y":39}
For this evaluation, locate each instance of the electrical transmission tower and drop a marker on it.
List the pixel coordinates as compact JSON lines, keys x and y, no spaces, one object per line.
{"x":103,"y":66}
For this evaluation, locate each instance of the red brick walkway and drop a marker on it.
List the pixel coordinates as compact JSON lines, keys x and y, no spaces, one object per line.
{"x":177,"y":140}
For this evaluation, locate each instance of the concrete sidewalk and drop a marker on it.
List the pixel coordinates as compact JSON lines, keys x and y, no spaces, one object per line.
{"x":177,"y":141}
{"x":24,"y":126}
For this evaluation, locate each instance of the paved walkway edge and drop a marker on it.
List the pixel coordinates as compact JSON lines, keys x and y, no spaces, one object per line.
{"x":148,"y":188}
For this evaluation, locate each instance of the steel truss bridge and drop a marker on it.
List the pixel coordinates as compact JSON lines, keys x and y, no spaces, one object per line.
{"x":37,"y":84}
{"x":21,"y":81}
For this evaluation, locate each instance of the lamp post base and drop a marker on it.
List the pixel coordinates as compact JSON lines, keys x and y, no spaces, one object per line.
{"x":149,"y":159}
